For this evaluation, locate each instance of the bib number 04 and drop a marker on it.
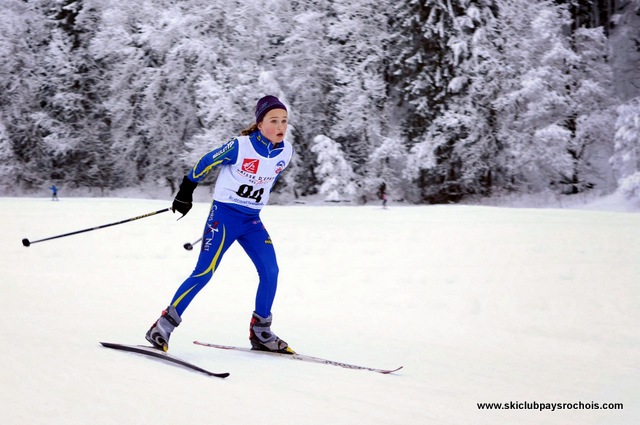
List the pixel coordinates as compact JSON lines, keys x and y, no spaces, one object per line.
{"x":247,"y":191}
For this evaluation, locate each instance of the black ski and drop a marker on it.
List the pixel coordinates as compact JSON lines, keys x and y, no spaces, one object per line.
{"x":152,"y":352}
{"x":301,"y":357}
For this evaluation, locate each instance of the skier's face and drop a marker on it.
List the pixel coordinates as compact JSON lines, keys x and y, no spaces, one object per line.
{"x":274,"y":125}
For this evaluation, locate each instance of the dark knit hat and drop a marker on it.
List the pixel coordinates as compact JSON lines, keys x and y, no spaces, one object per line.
{"x":266,"y":104}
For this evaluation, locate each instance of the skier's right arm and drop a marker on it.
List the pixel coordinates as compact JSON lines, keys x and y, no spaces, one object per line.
{"x":226,"y":154}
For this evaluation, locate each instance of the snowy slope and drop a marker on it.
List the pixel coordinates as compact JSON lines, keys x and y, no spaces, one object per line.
{"x":480,"y":304}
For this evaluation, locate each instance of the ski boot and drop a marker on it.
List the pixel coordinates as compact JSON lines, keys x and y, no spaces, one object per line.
{"x":159,"y":333}
{"x":262,"y":339}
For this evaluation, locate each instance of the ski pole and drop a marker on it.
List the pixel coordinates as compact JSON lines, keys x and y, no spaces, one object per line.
{"x":189,"y":246}
{"x":26,"y":241}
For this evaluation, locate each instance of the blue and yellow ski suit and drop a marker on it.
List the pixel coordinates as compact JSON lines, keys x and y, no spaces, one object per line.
{"x":250,"y":165}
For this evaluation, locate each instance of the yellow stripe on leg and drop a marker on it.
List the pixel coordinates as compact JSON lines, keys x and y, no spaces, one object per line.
{"x":216,"y":257}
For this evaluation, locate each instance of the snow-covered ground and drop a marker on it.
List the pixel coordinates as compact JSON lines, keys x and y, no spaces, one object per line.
{"x":479,"y":304}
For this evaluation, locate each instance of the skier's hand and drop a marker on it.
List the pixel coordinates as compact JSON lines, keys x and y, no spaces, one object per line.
{"x":184,"y":198}
{"x":182,"y":207}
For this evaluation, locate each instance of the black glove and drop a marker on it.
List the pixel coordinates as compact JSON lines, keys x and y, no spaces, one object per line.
{"x":184,"y":198}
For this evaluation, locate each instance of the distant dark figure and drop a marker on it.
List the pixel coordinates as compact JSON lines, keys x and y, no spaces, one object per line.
{"x":382,"y":194}
{"x":54,"y":193}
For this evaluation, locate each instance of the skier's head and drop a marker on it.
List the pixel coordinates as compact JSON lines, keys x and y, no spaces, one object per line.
{"x":271,"y":118}
{"x":266,"y":104}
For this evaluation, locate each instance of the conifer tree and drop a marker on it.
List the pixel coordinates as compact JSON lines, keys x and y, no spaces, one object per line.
{"x":24,"y":32}
{"x":626,"y":157}
{"x":335,"y":172}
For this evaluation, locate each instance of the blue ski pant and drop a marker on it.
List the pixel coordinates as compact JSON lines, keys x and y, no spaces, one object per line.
{"x":224,"y":226}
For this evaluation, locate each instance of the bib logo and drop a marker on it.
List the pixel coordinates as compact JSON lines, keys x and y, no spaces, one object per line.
{"x":280,"y":166}
{"x":250,"y":165}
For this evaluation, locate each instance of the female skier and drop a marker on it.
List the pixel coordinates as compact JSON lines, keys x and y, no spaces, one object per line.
{"x":250,"y":165}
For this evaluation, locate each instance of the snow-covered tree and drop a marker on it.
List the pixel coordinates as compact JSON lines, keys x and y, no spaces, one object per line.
{"x":592,"y":123}
{"x":560,"y":106}
{"x":384,"y":165}
{"x":335,"y":173}
{"x":452,"y":136}
{"x":626,"y":158}
{"x":23,"y":32}
{"x":532,"y":115}
{"x":358,"y":33}
{"x":308,"y":74}
{"x":8,"y":162}
{"x":463,"y":136}
{"x":74,"y":116}
{"x":625,"y":54}
{"x":421,"y":64}
{"x":151,"y":68}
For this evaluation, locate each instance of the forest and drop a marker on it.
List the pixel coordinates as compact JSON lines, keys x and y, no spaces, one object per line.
{"x":440,"y":100}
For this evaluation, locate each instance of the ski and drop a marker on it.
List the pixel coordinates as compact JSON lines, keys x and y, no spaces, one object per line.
{"x":152,"y":352}
{"x":301,"y":357}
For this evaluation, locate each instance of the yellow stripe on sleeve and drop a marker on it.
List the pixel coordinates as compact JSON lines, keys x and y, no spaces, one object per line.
{"x":205,"y":171}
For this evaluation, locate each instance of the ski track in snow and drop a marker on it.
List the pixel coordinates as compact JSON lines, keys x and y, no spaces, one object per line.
{"x":479,"y":304}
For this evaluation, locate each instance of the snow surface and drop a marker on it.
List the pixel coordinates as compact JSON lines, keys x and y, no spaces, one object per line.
{"x":479,"y":304}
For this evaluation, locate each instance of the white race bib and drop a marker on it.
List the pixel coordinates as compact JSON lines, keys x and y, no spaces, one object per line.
{"x":248,"y":182}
